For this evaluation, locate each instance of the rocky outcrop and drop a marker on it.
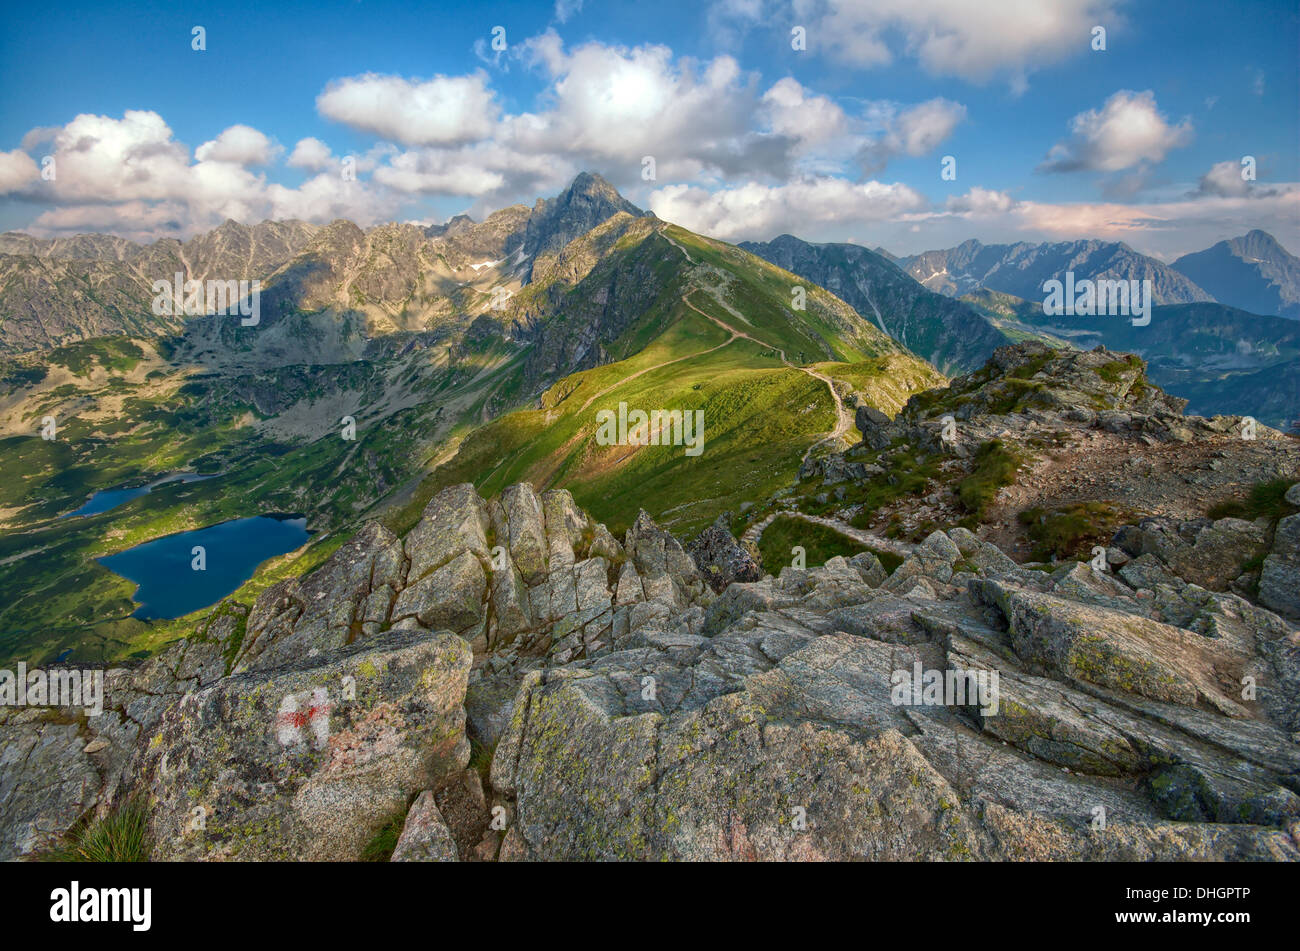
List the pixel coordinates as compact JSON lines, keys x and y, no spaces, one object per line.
{"x":309,"y":761}
{"x":1205,"y":552}
{"x":960,"y":707}
{"x":1279,"y":579}
{"x":721,"y":559}
{"x":771,"y":727}
{"x":425,"y":836}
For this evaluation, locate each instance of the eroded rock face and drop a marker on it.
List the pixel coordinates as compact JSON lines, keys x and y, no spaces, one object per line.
{"x":1279,"y":579}
{"x":769,"y":725}
{"x":629,"y":710}
{"x":1204,"y":552}
{"x":310,"y":762}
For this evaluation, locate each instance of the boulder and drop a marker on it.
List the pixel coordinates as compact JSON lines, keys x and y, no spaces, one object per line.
{"x":310,"y":761}
{"x":425,"y":836}
{"x":720,"y":558}
{"x":1279,"y":579}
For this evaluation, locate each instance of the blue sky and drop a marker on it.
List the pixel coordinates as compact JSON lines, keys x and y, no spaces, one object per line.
{"x":843,"y":140}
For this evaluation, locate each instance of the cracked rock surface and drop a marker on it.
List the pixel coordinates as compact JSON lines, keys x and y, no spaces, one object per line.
{"x":622,"y":708}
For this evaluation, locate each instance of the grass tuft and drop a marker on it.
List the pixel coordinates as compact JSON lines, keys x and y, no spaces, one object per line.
{"x":382,"y":843}
{"x":121,"y":836}
{"x":1264,"y":500}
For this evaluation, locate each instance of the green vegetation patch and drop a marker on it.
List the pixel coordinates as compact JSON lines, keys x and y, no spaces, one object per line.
{"x":907,"y":472}
{"x":120,"y":836}
{"x":1070,"y":531}
{"x":819,"y":543}
{"x":995,"y":466}
{"x":382,"y":843}
{"x":115,"y":354}
{"x":1262,"y":500}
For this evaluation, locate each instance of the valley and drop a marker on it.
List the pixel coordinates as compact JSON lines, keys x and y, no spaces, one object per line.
{"x":394,"y":363}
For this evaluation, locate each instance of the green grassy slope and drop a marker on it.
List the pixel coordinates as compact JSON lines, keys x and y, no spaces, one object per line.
{"x":761,"y":413}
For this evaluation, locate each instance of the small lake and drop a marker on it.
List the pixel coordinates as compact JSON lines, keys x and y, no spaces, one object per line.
{"x":169,"y":587}
{"x":107,"y":499}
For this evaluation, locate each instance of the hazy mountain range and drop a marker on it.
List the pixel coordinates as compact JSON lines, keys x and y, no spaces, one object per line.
{"x":1253,"y":272}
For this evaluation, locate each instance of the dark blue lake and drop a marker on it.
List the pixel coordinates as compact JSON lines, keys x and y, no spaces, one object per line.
{"x":111,"y":498}
{"x":163,"y":568}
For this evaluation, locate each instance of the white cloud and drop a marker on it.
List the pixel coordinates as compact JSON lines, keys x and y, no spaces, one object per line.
{"x":913,"y":131}
{"x":438,"y":173}
{"x":1126,"y":131}
{"x":239,"y":145}
{"x":136,"y":220}
{"x":758,"y":211}
{"x":130,"y":176}
{"x":17,"y":171}
{"x":609,"y":107}
{"x":327,"y":196}
{"x":567,"y":9}
{"x":973,"y":41}
{"x":979,"y":202}
{"x":310,"y":153}
{"x":102,"y":159}
{"x":618,"y":103}
{"x":445,"y":110}
{"x":1224,"y":180}
{"x":791,"y":111}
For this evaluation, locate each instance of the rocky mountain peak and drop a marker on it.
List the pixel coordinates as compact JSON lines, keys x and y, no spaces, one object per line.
{"x":586,"y":202}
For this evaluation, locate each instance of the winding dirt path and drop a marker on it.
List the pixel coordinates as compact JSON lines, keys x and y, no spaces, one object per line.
{"x":658,"y":366}
{"x":867,"y":539}
{"x":842,"y":418}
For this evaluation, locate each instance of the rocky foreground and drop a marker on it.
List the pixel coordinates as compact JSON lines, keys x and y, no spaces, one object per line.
{"x":520,"y":684}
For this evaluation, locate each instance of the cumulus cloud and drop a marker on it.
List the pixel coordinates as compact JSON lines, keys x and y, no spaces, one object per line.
{"x":239,"y":145}
{"x":1126,"y":131}
{"x":1225,"y":180}
{"x":445,"y":110}
{"x":813,"y":120}
{"x":980,"y":201}
{"x":439,"y":173}
{"x":610,"y":107}
{"x":912,"y":131}
{"x":310,"y":153}
{"x":614,"y":102}
{"x":973,"y":41}
{"x":129,"y":175}
{"x":17,"y":171}
{"x":754,"y":210}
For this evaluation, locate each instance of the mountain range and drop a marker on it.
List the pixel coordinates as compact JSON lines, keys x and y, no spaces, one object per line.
{"x":1253,"y":272}
{"x":949,"y":333}
{"x":483,"y":352}
{"x":1020,"y":269}
{"x":643,"y":647}
{"x":471,"y":351}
